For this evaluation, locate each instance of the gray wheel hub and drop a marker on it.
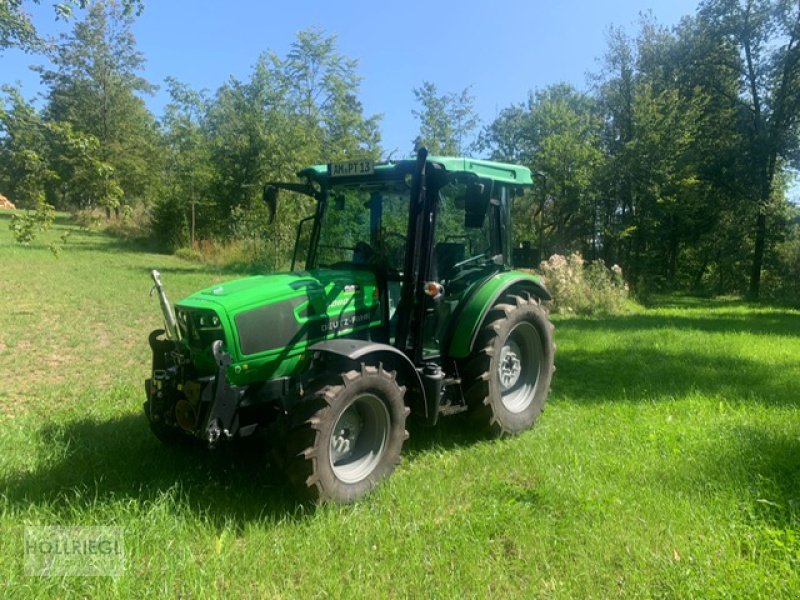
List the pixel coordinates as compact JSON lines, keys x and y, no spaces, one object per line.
{"x":359,"y":438}
{"x":518,"y":367}
{"x":345,"y":435}
{"x":510,"y":367}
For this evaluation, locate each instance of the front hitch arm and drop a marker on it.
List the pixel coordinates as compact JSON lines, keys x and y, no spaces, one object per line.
{"x":222,"y":419}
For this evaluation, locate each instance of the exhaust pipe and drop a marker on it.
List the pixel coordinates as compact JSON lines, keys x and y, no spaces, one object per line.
{"x":173,"y":332}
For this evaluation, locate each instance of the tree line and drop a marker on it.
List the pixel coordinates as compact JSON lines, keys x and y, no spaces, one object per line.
{"x":676,"y":163}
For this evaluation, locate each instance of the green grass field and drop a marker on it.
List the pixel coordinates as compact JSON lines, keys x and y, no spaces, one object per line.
{"x":667,"y":463}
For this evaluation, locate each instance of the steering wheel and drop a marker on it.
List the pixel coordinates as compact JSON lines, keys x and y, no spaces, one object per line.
{"x":471,"y":259}
{"x":389,"y":234}
{"x":363,"y":253}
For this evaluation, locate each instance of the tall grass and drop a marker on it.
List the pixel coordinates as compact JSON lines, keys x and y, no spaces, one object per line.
{"x":584,"y":288}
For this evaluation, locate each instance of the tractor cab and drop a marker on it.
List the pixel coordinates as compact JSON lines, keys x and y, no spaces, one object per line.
{"x":429,"y":230}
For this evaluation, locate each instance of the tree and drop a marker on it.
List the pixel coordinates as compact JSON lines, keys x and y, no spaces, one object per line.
{"x":766,"y":34}
{"x":83,"y":179}
{"x":616,"y":90}
{"x":324,"y":87}
{"x":446,"y":121}
{"x":24,"y":170}
{"x":95,"y":87}
{"x":669,"y":144}
{"x":291,"y":112}
{"x":709,"y":239}
{"x":188,"y":169}
{"x":556,"y":134}
{"x":17,"y":29}
{"x":257,"y":132}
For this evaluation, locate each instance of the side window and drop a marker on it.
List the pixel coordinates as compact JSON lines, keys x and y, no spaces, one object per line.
{"x":344,"y":233}
{"x":393,"y":234}
{"x":302,"y":243}
{"x":364,"y":228}
{"x":454,"y":242}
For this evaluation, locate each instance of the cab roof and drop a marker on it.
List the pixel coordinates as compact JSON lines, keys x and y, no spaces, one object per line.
{"x":496,"y":171}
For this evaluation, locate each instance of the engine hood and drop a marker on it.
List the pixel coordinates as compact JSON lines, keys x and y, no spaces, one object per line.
{"x":285,"y":312}
{"x":241,"y":294}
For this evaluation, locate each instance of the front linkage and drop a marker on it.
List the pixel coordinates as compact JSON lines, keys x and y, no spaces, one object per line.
{"x":180,"y":403}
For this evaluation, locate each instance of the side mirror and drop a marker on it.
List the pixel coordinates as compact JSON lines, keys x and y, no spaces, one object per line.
{"x":271,"y":200}
{"x":476,"y":201}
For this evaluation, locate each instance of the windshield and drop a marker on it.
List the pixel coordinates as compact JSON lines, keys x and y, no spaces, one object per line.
{"x":364,"y":226}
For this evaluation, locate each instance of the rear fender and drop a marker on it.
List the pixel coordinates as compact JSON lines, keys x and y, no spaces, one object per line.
{"x":475,"y":308}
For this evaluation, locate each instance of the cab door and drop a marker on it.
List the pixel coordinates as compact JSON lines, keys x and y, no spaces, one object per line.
{"x":465,"y":253}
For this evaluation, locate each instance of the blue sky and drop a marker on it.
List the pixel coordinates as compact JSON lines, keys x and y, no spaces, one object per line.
{"x":501,"y":49}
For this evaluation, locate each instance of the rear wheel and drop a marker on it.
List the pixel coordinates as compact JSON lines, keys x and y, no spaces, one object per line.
{"x":507,"y":377}
{"x":347,"y":435}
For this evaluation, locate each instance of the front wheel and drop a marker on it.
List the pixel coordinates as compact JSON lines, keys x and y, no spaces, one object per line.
{"x":347,"y":435}
{"x":167,"y":434}
{"x":507,"y":377}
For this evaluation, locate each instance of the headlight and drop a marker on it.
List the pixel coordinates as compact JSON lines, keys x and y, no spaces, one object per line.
{"x":206,"y":320}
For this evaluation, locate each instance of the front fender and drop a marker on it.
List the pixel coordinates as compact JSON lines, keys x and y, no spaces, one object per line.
{"x":471,"y":316}
{"x":366,"y":351}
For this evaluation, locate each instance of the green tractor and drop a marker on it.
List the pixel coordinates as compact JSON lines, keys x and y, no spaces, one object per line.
{"x":401,"y":300}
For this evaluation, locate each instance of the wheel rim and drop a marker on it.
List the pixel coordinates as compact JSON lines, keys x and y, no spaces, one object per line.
{"x":518,"y":367}
{"x":359,"y":438}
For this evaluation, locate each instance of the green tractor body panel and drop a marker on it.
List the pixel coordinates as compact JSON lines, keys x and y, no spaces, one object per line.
{"x":481,"y":300}
{"x":268,"y":322}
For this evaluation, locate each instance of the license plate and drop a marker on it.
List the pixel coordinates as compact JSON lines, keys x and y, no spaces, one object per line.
{"x":351,"y":168}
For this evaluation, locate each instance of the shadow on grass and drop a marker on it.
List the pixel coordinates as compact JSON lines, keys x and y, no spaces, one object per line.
{"x":764,"y":466}
{"x":83,"y":239}
{"x":775,"y":322}
{"x":450,"y":433}
{"x":99,"y":241}
{"x":210,"y":271}
{"x":773,"y":468}
{"x":647,"y":375}
{"x":193,"y":270}
{"x":700,"y":301}
{"x":120,"y":458}
{"x":644,"y":372}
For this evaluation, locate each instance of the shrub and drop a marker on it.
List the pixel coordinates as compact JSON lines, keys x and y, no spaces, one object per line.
{"x":578,"y":287}
{"x":89,"y":219}
{"x":25,"y":227}
{"x":134,"y":223}
{"x":781,"y":278}
{"x":170,"y":226}
{"x":246,"y":254}
{"x":187,"y":253}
